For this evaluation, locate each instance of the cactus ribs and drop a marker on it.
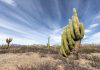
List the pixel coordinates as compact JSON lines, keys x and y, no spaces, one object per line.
{"x":72,"y":36}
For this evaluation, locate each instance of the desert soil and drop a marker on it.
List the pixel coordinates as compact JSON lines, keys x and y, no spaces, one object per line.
{"x":9,"y":61}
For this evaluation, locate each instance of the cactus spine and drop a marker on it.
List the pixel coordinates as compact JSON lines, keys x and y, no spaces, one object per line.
{"x":72,"y":35}
{"x":48,"y":44}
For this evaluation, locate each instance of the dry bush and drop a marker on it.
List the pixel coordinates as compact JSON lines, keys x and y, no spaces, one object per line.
{"x":95,"y":64}
{"x":72,"y":65}
{"x":90,"y":48}
{"x":43,"y":49}
{"x":89,"y":57}
{"x":65,"y":65}
{"x":69,"y":64}
{"x":25,"y":48}
{"x":40,"y":66}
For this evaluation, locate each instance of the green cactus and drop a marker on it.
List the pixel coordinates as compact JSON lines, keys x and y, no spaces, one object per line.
{"x":72,"y":35}
{"x":48,"y":44}
{"x":8,"y":41}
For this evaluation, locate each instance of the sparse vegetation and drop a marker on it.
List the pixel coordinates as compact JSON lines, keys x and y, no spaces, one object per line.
{"x":42,"y":66}
{"x":90,"y":48}
{"x":23,"y":49}
{"x":51,"y":59}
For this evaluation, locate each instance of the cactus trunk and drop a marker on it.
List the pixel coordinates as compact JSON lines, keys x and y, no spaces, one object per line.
{"x":72,"y":35}
{"x":8,"y":44}
{"x":48,"y":44}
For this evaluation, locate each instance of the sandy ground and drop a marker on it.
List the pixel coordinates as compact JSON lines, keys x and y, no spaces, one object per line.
{"x":9,"y":61}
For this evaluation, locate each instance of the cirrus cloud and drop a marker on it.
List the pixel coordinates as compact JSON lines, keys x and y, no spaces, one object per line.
{"x":10,"y":2}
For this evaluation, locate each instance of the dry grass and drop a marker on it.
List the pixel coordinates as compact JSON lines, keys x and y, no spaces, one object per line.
{"x":90,"y":48}
{"x":36,"y":57}
{"x":27,"y":48}
{"x":41,"y":66}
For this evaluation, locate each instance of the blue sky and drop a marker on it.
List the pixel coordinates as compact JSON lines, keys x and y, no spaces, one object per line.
{"x":32,"y":21}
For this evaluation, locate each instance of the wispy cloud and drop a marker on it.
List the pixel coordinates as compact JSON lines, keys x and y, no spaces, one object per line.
{"x":56,"y":36}
{"x":93,"y":39}
{"x":90,"y":29}
{"x":10,"y":2}
{"x":16,"y":40}
{"x":93,"y":25}
{"x":97,"y":16}
{"x":87,"y":30}
{"x":85,"y":36}
{"x":96,"y":36}
{"x":34,"y":20}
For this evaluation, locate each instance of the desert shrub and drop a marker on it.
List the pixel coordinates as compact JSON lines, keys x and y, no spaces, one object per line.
{"x":72,"y":65}
{"x":25,"y":48}
{"x":89,"y":48}
{"x":90,"y":57}
{"x":41,"y":66}
{"x":95,"y":64}
{"x":42,"y":55}
{"x":95,"y":58}
{"x":69,"y":65}
{"x":4,"y":47}
{"x":85,"y":56}
{"x":43,"y":49}
{"x":58,"y":47}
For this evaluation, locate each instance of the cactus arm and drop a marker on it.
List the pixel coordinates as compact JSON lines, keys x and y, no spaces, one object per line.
{"x":76,"y":23}
{"x":66,"y":44}
{"x":70,"y":45}
{"x":71,"y":29}
{"x":73,"y":42}
{"x":76,"y":28}
{"x":81,"y":27}
{"x":62,"y":49}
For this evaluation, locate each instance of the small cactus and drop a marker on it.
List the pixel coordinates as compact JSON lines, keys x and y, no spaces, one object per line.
{"x":48,"y":44}
{"x":8,"y":41}
{"x":72,"y":35}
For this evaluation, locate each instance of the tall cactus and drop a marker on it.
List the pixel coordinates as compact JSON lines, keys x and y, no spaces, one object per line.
{"x":8,"y":40}
{"x":72,"y":35}
{"x":48,"y":44}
